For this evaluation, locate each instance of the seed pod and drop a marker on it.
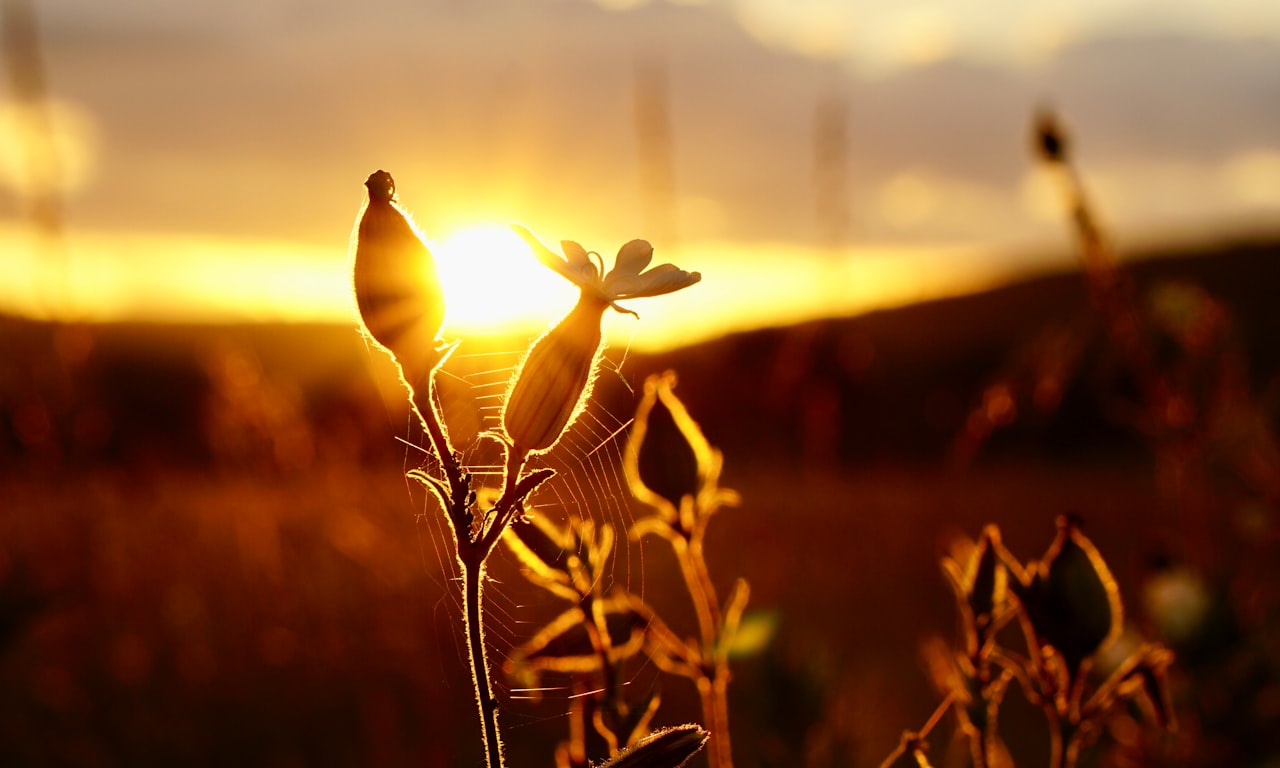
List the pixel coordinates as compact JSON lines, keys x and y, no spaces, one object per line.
{"x":1050,"y":140}
{"x":667,"y":456}
{"x":553,"y":382}
{"x":397,"y":291}
{"x":1071,"y":598}
{"x":985,"y":578}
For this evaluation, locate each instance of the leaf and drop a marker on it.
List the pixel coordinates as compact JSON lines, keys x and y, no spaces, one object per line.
{"x":664,"y":748}
{"x":545,"y":550}
{"x":566,"y":643}
{"x":755,"y":632}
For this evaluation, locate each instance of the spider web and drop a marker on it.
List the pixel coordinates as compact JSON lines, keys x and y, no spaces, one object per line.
{"x":589,"y":484}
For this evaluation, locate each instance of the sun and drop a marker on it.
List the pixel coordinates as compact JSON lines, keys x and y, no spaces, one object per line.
{"x":493,"y":284}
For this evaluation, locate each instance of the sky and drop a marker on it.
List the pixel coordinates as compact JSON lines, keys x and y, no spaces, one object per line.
{"x":810,"y":158}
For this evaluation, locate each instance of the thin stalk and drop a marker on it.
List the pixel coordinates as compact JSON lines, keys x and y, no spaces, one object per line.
{"x":713,"y":678}
{"x":471,"y":555}
{"x":473,"y":576}
{"x":506,"y":506}
{"x":697,"y":579}
{"x":423,"y":399}
{"x":714,"y":692}
{"x":598,"y":630}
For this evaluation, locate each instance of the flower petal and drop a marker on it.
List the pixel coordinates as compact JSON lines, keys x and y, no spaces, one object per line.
{"x":572,"y":269}
{"x":664,"y":278}
{"x":578,"y":258}
{"x":632,"y":258}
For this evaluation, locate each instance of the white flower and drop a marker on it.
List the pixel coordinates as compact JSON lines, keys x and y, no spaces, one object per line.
{"x":627,"y":280}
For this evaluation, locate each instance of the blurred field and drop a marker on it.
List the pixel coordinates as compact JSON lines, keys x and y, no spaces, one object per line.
{"x":209,"y":555}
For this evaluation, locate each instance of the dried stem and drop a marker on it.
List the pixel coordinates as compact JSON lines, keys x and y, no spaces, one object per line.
{"x":713,"y":673}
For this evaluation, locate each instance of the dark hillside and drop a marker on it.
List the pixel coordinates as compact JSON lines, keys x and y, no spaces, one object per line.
{"x":893,"y":384}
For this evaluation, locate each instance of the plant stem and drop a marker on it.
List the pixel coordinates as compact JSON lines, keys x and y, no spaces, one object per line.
{"x":473,"y":576}
{"x":471,"y":555}
{"x":698,"y":581}
{"x":713,"y":680}
{"x":714,"y":691}
{"x":423,"y":398}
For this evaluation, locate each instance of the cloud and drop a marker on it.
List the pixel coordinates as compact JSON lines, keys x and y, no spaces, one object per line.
{"x":261,"y":120}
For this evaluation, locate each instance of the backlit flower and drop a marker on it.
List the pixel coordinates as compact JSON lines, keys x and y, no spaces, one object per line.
{"x":553,"y":382}
{"x":627,"y":280}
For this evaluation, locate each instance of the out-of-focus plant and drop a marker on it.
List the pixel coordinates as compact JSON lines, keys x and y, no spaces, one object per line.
{"x":1172,"y":372}
{"x":673,"y":470}
{"x":402,"y":308}
{"x":1068,"y":610}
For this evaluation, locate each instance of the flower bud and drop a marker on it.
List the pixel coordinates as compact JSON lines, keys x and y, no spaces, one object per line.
{"x":1050,"y":140}
{"x":1071,"y":598}
{"x":397,"y":291}
{"x":667,"y":456}
{"x":553,"y":382}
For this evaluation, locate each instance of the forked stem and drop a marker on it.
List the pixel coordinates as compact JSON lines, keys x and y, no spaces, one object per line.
{"x":473,"y":549}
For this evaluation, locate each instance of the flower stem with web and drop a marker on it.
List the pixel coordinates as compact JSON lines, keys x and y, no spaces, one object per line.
{"x":473,"y":549}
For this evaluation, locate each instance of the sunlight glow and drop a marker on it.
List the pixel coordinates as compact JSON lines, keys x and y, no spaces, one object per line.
{"x":74,"y":138}
{"x":492,"y":283}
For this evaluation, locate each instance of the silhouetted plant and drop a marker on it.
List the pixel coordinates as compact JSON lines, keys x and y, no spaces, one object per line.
{"x":1068,"y":610}
{"x":1175,"y":376}
{"x":402,"y":309}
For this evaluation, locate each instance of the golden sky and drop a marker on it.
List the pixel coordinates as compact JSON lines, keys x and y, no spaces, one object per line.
{"x":809,"y":158}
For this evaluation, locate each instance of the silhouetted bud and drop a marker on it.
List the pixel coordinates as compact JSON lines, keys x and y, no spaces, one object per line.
{"x":667,"y":456}
{"x":1050,"y":140}
{"x":1071,"y":598}
{"x":397,"y":292}
{"x":664,"y":748}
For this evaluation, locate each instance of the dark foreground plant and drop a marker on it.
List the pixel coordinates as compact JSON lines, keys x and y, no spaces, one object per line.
{"x":1168,"y":365}
{"x":1067,"y":611}
{"x":402,"y":308}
